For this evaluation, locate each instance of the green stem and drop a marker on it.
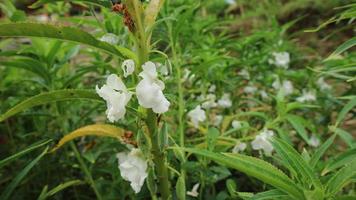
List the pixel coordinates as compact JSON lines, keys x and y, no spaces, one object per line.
{"x":159,"y":157}
{"x":85,"y":170}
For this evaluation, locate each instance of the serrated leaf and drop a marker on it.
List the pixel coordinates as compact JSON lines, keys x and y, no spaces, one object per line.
{"x":269,"y":195}
{"x":48,"y":97}
{"x":102,"y":130}
{"x":340,"y":161}
{"x":256,"y":168}
{"x":295,"y":162}
{"x":341,"y":178}
{"x":61,"y":33}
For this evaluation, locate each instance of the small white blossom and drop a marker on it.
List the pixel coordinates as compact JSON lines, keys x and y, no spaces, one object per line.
{"x":314,"y":141}
{"x":197,"y":115}
{"x":230,"y":2}
{"x":286,"y":86}
{"x":236,"y":124}
{"x":133,"y":168}
{"x":217,"y":120}
{"x":263,"y":94}
{"x":149,"y":90}
{"x":128,"y":66}
{"x":307,"y":96}
{"x":250,"y":89}
{"x":194,"y":192}
{"x":262,"y":141}
{"x":322,"y":84}
{"x":209,"y":101}
{"x":281,"y":59}
{"x":115,"y":93}
{"x":225,"y":101}
{"x":110,"y":38}
{"x":212,"y":88}
{"x":239,"y":147}
{"x":245,"y":74}
{"x":163,"y":69}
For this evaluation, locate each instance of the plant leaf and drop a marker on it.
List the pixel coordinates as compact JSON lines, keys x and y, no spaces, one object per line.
{"x":295,"y":162}
{"x":345,"y":110}
{"x":298,"y":125}
{"x":65,"y":33}
{"x":96,"y":129}
{"x":268,"y":195}
{"x":341,"y":178}
{"x":10,"y":188}
{"x":340,"y":161}
{"x":343,"y":47}
{"x":59,"y":188}
{"x":320,"y":151}
{"x":256,"y":168}
{"x":48,"y":97}
{"x":105,"y":4}
{"x":152,"y":11}
{"x":23,"y":152}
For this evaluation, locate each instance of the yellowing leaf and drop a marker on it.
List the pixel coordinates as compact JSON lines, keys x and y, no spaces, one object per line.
{"x":96,"y":129}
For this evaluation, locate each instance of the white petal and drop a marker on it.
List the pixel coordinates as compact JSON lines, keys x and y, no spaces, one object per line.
{"x":128,"y":66}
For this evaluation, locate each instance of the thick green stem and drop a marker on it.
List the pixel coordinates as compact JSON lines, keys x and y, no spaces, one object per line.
{"x":159,"y":157}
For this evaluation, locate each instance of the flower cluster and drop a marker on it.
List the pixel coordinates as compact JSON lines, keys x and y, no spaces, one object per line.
{"x":148,"y":91}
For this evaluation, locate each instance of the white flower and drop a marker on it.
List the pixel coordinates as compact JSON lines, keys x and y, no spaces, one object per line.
{"x":194,"y":192}
{"x":263,"y":94}
{"x":245,"y":74}
{"x":262,"y":142}
{"x":115,"y":94}
{"x":240,"y":146}
{"x":230,"y":2}
{"x":281,"y":59}
{"x":250,"y":89}
{"x":307,"y":96}
{"x":225,"y":101}
{"x":163,"y":69}
{"x":212,"y":88}
{"x":209,"y":101}
{"x":286,"y":86}
{"x":110,"y":38}
{"x":149,"y":90}
{"x":133,"y":168}
{"x":197,"y":115}
{"x":314,"y":141}
{"x":322,"y":84}
{"x":217,"y":120}
{"x":128,"y":66}
{"x":236,"y":124}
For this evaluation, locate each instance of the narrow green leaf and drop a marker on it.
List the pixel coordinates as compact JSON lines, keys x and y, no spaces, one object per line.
{"x":37,"y":145}
{"x":212,"y":138}
{"x":298,"y":125}
{"x":295,"y":161}
{"x":341,"y":178}
{"x":346,"y":137}
{"x":103,"y":3}
{"x":341,"y":116}
{"x":10,"y":188}
{"x":340,"y":161}
{"x":60,"y":187}
{"x":343,"y":47}
{"x":256,"y":168}
{"x":320,"y":151}
{"x":269,"y":195}
{"x":62,"y":33}
{"x":48,"y":97}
